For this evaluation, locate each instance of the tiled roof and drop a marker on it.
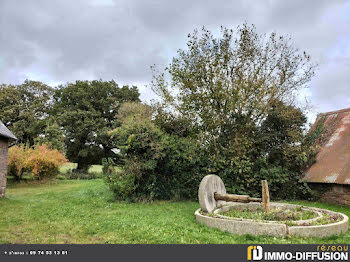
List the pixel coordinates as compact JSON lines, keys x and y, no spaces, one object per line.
{"x":333,"y":159}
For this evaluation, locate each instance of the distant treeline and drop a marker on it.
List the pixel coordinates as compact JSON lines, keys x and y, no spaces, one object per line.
{"x":74,"y":118}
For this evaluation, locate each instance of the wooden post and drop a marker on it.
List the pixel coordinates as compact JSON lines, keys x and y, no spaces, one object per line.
{"x":265,"y":196}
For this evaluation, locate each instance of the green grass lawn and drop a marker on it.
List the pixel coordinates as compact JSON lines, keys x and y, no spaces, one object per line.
{"x":80,"y":211}
{"x":93,"y":169}
{"x":68,"y":166}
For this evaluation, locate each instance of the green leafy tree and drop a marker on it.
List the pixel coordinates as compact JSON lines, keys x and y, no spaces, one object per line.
{"x":24,"y":109}
{"x":52,"y":136}
{"x":282,"y":152}
{"x":234,"y":89}
{"x":225,"y":85}
{"x":87,"y":110}
{"x":282,"y":137}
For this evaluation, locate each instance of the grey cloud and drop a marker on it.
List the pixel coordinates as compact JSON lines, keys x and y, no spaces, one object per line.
{"x":332,"y":85}
{"x":60,"y":41}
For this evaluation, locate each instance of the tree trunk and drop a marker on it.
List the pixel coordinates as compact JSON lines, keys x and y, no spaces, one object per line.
{"x":81,"y":166}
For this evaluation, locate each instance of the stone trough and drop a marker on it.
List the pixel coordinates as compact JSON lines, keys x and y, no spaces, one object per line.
{"x":211,"y":215}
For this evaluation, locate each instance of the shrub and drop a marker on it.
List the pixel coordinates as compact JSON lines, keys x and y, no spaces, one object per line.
{"x":157,"y":165}
{"x":39,"y":161}
{"x":121,"y":184}
{"x":16,"y":161}
{"x":43,"y":161}
{"x":283,"y":183}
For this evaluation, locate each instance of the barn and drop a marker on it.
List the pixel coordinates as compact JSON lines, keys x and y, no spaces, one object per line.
{"x":329,"y":176}
{"x":5,"y":137}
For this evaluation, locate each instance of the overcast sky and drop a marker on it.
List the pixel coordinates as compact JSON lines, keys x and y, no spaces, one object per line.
{"x":59,"y":41}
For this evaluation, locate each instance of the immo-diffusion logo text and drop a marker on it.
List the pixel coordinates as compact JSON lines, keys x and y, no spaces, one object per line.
{"x":256,"y":253}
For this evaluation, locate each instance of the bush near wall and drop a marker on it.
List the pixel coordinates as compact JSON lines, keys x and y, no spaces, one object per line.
{"x":40,"y":161}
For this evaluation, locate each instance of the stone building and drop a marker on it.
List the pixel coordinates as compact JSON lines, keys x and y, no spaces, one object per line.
{"x":329,"y":177}
{"x":5,"y":137}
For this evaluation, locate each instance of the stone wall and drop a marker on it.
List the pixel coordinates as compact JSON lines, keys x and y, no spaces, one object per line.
{"x":3,"y":165}
{"x":332,"y":193}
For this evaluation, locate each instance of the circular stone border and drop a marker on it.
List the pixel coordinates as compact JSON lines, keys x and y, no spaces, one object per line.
{"x":241,"y":226}
{"x":254,"y":206}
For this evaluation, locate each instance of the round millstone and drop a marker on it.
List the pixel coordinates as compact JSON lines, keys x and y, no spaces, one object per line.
{"x":209,"y":185}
